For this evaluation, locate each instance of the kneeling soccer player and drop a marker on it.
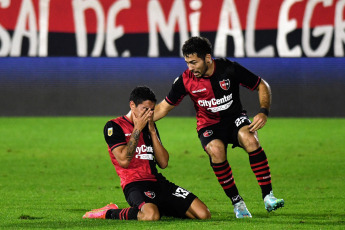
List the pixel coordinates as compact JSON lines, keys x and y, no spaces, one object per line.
{"x":135,"y":148}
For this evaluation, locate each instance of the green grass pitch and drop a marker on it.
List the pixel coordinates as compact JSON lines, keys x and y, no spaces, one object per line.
{"x":54,"y":169}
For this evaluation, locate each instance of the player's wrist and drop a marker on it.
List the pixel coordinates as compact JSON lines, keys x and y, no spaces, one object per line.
{"x":264,"y":111}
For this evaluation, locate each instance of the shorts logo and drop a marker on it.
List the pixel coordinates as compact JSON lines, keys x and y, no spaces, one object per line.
{"x":150,"y":194}
{"x":207,"y":133}
{"x":181,"y":192}
{"x":225,"y":84}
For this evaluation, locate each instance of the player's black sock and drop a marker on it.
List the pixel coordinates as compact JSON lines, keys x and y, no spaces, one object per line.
{"x":122,"y":214}
{"x":226,"y":180}
{"x":259,"y":164}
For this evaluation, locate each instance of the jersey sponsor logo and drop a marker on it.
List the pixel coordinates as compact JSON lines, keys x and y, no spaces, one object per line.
{"x":225,"y":84}
{"x":215,"y":105}
{"x":220,"y":108}
{"x":199,"y":90}
{"x":181,"y":192}
{"x":144,"y":152}
{"x":207,"y":133}
{"x":110,"y":131}
{"x":128,"y":134}
{"x":150,"y":194}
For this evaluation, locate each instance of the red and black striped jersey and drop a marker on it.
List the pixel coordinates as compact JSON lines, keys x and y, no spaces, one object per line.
{"x":216,"y":97}
{"x":142,"y":167}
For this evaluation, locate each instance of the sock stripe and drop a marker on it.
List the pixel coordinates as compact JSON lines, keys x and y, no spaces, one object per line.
{"x":256,"y":164}
{"x":256,"y":152}
{"x":265,"y":183}
{"x":229,"y":174}
{"x":120,"y":214}
{"x":219,"y":165}
{"x":259,"y":168}
{"x":262,"y":172}
{"x":126,"y":213}
{"x":223,"y":172}
{"x":229,"y":186}
{"x":264,"y":177}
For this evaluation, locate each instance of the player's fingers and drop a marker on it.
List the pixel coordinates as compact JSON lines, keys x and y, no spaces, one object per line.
{"x":253,"y":128}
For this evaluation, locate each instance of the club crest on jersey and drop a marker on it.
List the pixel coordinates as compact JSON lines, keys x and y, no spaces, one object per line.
{"x":150,"y":194}
{"x":110,"y":131}
{"x":207,"y":133}
{"x":225,"y":84}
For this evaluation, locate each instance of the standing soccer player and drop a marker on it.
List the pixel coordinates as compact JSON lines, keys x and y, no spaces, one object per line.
{"x":213,"y":86}
{"x":135,"y":148}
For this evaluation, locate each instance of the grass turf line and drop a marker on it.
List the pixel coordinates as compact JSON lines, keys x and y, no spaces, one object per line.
{"x":54,"y":169}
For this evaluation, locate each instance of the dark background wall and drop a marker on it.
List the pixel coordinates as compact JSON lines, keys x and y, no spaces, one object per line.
{"x":301,"y":87}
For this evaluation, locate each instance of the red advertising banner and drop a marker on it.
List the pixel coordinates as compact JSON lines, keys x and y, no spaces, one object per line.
{"x":158,"y":28}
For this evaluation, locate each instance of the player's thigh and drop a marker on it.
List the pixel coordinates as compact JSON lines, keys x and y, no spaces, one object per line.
{"x":198,"y":210}
{"x":139,"y":193}
{"x":174,"y":200}
{"x":214,"y":141}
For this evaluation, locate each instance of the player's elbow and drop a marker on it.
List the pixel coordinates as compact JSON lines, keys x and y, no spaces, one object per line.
{"x":124,"y":163}
{"x":163,"y":165}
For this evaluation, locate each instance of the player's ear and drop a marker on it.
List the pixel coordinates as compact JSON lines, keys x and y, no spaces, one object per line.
{"x":208,"y":58}
{"x":132,"y":105}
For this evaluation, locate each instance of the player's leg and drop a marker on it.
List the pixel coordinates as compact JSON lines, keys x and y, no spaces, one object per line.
{"x":259,"y":165}
{"x":149,"y":212}
{"x":141,"y":197}
{"x":222,"y":169}
{"x":257,"y":158}
{"x":178,"y":202}
{"x":216,"y":150}
{"x":198,"y":210}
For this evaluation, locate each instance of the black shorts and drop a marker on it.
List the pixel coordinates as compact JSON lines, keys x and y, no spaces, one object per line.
{"x":170,"y":199}
{"x":225,"y":130}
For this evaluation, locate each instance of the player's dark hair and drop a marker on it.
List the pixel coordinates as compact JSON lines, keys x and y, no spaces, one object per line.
{"x":198,"y":45}
{"x":142,"y":93}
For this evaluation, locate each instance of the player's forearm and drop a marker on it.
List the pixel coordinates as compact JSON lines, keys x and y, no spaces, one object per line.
{"x":161,"y":110}
{"x":127,"y":153}
{"x":161,"y":154}
{"x":265,"y":95}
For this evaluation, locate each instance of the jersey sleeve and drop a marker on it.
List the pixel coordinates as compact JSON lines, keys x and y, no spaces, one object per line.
{"x":246,"y":78}
{"x":114,"y":135}
{"x":177,"y":92}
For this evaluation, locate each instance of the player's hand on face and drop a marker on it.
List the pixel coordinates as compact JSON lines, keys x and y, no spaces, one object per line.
{"x":259,"y":121}
{"x":151,"y":123}
{"x":141,"y":119}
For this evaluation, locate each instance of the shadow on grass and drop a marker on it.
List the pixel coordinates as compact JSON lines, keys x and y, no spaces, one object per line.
{"x":307,"y":220}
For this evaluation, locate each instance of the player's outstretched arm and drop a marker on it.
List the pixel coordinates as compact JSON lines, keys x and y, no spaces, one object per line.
{"x":265,"y":99}
{"x":162,"y":109}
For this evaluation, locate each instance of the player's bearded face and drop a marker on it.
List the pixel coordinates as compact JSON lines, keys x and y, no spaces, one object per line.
{"x":196,"y":65}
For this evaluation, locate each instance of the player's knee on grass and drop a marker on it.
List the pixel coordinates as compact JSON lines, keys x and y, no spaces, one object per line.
{"x":216,"y":150}
{"x":149,"y":212}
{"x":203,"y":214}
{"x":198,"y":210}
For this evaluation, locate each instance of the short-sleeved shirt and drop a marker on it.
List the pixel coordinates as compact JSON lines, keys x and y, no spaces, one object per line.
{"x":216,"y":97}
{"x":142,"y":167}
